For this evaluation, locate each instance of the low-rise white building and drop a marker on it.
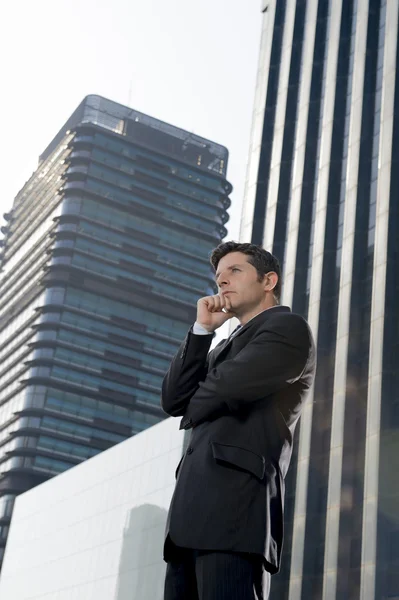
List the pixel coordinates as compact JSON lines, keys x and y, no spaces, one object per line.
{"x":96,"y":531}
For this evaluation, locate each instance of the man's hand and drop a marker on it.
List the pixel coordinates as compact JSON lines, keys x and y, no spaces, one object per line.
{"x":213,"y":311}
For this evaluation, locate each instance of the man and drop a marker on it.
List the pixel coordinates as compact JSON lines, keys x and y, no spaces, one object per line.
{"x":241,"y":402}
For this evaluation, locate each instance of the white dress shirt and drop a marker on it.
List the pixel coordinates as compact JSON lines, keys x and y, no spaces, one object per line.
{"x":199,"y":330}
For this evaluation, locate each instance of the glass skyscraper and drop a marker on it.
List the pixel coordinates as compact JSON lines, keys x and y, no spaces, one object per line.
{"x":104,"y":256}
{"x":322,"y":193}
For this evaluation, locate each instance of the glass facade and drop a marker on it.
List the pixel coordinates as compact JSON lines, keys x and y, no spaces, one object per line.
{"x":322,"y":193}
{"x":96,"y":532}
{"x":104,"y":256}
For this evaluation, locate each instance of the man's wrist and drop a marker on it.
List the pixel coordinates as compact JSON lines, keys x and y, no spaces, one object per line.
{"x":199,"y":329}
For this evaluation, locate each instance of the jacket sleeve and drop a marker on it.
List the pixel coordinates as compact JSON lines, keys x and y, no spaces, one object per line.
{"x":274,"y":359}
{"x":188,"y":368}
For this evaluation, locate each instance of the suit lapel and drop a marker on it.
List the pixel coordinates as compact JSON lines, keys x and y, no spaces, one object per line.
{"x":214,"y":355}
{"x":219,"y":351}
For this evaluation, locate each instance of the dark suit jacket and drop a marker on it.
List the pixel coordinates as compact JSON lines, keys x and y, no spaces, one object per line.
{"x":242,"y":402}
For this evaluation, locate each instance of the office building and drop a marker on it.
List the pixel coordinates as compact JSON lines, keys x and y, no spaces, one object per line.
{"x":322,"y":193}
{"x":104,"y":255}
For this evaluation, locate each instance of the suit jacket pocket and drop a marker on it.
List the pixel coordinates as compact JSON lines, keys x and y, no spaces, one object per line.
{"x":240,"y":458}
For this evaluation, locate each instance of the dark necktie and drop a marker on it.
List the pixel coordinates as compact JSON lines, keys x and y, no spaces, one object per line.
{"x":233,"y":333}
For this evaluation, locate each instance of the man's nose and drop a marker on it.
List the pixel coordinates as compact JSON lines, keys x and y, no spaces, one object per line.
{"x":223,"y":281}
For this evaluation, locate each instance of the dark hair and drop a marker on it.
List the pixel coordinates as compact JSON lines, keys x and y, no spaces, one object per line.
{"x":258,"y":257}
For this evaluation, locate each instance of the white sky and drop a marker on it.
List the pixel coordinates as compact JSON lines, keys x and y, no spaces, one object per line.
{"x":188,"y":62}
{"x":191,"y":63}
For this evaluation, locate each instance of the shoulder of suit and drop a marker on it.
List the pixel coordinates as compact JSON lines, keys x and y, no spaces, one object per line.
{"x":287,"y":321}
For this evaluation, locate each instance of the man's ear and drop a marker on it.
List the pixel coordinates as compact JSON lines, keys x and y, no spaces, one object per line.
{"x":271,"y":280}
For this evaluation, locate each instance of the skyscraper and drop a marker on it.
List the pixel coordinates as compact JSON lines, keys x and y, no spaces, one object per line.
{"x":322,"y":193}
{"x":104,"y":255}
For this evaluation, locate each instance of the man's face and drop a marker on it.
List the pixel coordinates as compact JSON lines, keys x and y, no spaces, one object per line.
{"x":238,"y":280}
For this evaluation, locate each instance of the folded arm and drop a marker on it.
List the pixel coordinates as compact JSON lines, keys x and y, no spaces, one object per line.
{"x":188,"y":368}
{"x":274,"y":359}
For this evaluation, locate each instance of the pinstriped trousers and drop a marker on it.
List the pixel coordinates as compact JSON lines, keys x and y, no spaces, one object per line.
{"x":201,"y":575}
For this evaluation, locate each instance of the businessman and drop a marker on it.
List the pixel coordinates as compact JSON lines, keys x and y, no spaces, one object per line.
{"x":241,"y":402}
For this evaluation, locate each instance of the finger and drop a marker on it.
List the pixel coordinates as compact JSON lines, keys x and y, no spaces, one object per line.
{"x":222,"y":300}
{"x":210,"y":303}
{"x":217,"y":307}
{"x":226,"y":301}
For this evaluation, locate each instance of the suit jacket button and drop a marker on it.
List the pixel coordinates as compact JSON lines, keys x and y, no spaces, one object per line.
{"x":190,"y":450}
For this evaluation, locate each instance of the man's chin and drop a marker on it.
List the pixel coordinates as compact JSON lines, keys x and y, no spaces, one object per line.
{"x":230,"y":311}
